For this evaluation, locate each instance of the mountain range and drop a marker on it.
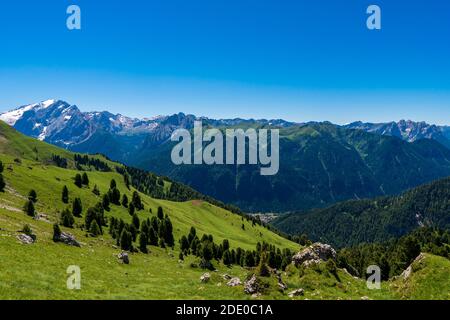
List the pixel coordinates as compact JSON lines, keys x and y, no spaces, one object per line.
{"x":320,"y":163}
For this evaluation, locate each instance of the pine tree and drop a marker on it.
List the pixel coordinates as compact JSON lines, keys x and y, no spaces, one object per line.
{"x":160,"y":213}
{"x":94,"y":229}
{"x":105,"y":202}
{"x":65,"y":195}
{"x":67,"y":219}
{"x":126,"y":179}
{"x":77,"y":207}
{"x":125,"y":201}
{"x":225,"y":245}
{"x":2,"y":183}
{"x":32,"y":196}
{"x":135,"y":221}
{"x":78,"y":180}
{"x":136,"y":200}
{"x":162,"y":244}
{"x":85,"y":179}
{"x":152,"y":237}
{"x":92,"y":214}
{"x":181,"y":256}
{"x":114,"y":196}
{"x":29,"y":208}
{"x":143,"y":243}
{"x":131,"y":209}
{"x":227,"y":258}
{"x":56,"y":232}
{"x":1,"y":167}
{"x":113,"y":184}
{"x":192,"y":235}
{"x":168,"y":232}
{"x":184,"y":244}
{"x":133,"y":232}
{"x":126,"y":240}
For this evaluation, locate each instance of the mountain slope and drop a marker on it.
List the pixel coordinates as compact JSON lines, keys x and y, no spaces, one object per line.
{"x":38,"y":271}
{"x":357,"y":221}
{"x":320,"y":164}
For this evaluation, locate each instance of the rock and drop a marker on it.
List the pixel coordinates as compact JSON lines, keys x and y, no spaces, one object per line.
{"x":123,"y":256}
{"x":226,"y":277}
{"x":282,"y":286}
{"x":205,"y":277}
{"x":234,"y":282}
{"x":315,"y":253}
{"x":25,"y":239}
{"x":251,"y":286}
{"x":407,"y":273}
{"x":365,"y":298}
{"x":296,"y":293}
{"x":68,"y":239}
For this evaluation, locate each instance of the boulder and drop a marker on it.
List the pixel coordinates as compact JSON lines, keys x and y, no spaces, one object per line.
{"x":315,"y":253}
{"x":234,"y":282}
{"x":68,"y":239}
{"x":252,"y":286}
{"x":25,"y":239}
{"x":205,"y":277}
{"x":296,"y":293}
{"x":123,"y":256}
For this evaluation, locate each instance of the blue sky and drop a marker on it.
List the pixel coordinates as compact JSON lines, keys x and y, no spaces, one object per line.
{"x":298,"y":60}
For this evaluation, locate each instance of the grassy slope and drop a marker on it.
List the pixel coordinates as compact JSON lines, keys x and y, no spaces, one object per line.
{"x":38,"y":271}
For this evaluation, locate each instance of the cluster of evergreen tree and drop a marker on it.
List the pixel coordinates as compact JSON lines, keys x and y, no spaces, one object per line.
{"x":394,"y":256}
{"x":95,"y":220}
{"x":84,"y":160}
{"x":59,"y":161}
{"x":124,"y":233}
{"x":157,"y":231}
{"x":2,"y":180}
{"x":264,"y":256}
{"x":81,"y":180}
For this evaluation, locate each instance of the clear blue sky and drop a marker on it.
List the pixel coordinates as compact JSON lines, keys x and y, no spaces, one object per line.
{"x":298,"y":60}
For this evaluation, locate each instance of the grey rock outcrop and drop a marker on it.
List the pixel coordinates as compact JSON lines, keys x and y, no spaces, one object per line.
{"x":234,"y":282}
{"x":123,"y":256}
{"x":205,"y":277}
{"x":252,"y":286}
{"x":313,"y":254}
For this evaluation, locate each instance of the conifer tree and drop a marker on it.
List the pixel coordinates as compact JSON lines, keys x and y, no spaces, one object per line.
{"x":78,"y":180}
{"x":125,"y":201}
{"x":135,"y":221}
{"x":94,"y":229}
{"x":131,"y":209}
{"x":56,"y":232}
{"x":77,"y":207}
{"x":2,"y":183}
{"x":32,"y":196}
{"x":143,"y":242}
{"x":29,"y":208}
{"x":67,"y":219}
{"x":65,"y":195}
{"x":152,"y":237}
{"x":85,"y":179}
